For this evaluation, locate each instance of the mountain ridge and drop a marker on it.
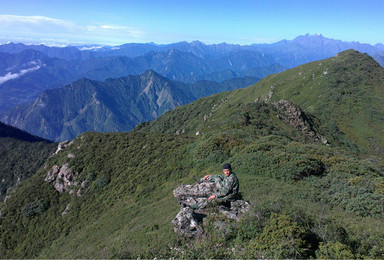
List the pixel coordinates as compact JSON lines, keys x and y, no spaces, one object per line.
{"x":351,"y":82}
{"x":54,"y":72}
{"x":113,"y":105}
{"x":183,"y":61}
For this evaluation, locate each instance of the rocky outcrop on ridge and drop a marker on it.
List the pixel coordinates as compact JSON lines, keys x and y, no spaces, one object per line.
{"x":189,"y":222}
{"x":63,"y":178}
{"x":293,"y":115}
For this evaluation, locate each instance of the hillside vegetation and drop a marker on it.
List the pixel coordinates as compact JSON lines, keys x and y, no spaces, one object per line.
{"x":344,"y":92}
{"x":308,"y":199}
{"x":21,"y":155}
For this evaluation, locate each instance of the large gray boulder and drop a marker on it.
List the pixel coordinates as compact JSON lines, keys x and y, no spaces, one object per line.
{"x":189,"y":222}
{"x":63,"y":178}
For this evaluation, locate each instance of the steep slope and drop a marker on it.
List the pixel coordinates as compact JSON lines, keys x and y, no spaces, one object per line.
{"x":21,"y":155}
{"x":344,"y":92}
{"x":110,"y":195}
{"x":114,"y":105}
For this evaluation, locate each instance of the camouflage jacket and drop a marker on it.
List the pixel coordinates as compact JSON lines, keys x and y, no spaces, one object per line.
{"x":227,"y":187}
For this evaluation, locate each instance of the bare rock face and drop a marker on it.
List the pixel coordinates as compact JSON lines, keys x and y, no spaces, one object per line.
{"x":200,"y":190}
{"x":293,"y":115}
{"x":62,"y":145}
{"x":51,"y":176}
{"x":237,"y":208}
{"x":63,"y":178}
{"x":189,"y":222}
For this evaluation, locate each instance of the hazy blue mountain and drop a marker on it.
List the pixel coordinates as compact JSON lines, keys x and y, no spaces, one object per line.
{"x":289,"y":53}
{"x":24,"y":75}
{"x":379,"y":46}
{"x":113,"y":105}
{"x":175,"y":64}
{"x":242,"y":61}
{"x":302,"y":49}
{"x":128,"y":49}
{"x":379,"y":59}
{"x":196,"y":47}
{"x":307,"y":48}
{"x":66,"y":53}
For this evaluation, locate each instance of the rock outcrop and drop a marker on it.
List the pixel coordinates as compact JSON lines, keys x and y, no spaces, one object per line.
{"x":63,"y":178}
{"x":189,"y":222}
{"x":62,"y":145}
{"x":293,"y":115}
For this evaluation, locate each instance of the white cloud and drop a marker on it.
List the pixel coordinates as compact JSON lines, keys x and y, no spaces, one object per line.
{"x":41,"y":27}
{"x":35,"y":24}
{"x":10,"y":75}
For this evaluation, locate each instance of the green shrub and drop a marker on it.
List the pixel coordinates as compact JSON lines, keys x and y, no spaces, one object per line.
{"x":35,"y":208}
{"x":102,"y":182}
{"x":90,"y":176}
{"x":281,"y":238}
{"x":334,"y":250}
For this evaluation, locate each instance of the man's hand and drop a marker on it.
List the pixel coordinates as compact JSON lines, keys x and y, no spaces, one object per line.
{"x":206,"y":176}
{"x":211,"y":197}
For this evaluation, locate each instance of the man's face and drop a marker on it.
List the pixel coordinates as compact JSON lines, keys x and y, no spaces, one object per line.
{"x":227,"y":172}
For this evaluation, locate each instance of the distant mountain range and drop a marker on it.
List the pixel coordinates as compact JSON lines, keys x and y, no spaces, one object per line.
{"x":27,"y":70}
{"x":114,"y":105}
{"x":24,"y":75}
{"x":301,"y":49}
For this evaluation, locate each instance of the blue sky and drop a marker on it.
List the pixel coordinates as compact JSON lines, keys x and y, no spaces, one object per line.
{"x":116,"y":22}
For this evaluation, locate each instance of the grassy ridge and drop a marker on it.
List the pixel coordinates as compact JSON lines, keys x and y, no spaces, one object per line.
{"x":130,"y":214}
{"x":345,"y":91}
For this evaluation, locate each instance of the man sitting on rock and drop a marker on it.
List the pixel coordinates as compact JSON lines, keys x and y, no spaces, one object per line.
{"x":227,"y":188}
{"x":219,"y":191}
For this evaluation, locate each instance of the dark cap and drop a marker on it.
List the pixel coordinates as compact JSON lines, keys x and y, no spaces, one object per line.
{"x":227,"y":166}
